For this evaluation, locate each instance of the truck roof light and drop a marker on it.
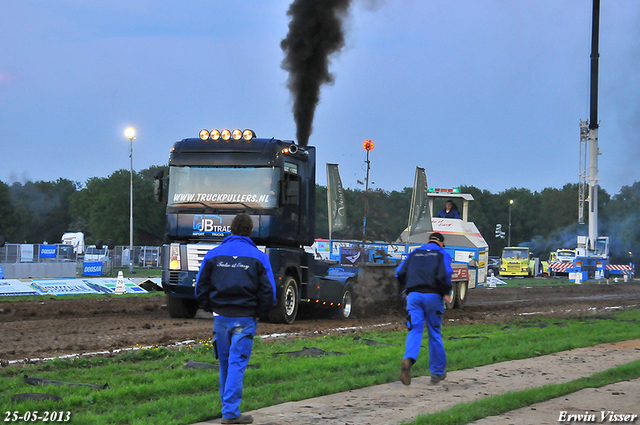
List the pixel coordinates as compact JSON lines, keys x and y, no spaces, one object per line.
{"x":442,"y":190}
{"x":236,"y":134}
{"x":248,"y":135}
{"x":225,"y":134}
{"x":285,"y":150}
{"x":204,"y":134}
{"x":215,"y":134}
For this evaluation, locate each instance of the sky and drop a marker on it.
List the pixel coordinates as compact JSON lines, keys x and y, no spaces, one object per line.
{"x":488,"y":93}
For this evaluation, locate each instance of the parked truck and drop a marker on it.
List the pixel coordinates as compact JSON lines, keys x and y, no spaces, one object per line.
{"x":76,"y":239}
{"x":519,"y":261}
{"x":222,"y":173}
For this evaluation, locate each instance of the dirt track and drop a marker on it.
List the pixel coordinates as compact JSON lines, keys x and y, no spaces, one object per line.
{"x":52,"y":327}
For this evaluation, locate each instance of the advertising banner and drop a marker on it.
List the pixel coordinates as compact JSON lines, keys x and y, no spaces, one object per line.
{"x":26,"y":253}
{"x":61,"y":287}
{"x":108,"y":286}
{"x":419,"y":215}
{"x":14,"y":288}
{"x":92,"y":268}
{"x":1,"y":273}
{"x":335,"y":200}
{"x":47,"y":251}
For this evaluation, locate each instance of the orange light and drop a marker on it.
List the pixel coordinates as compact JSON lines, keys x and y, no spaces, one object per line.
{"x":317,"y":301}
{"x":309,"y":300}
{"x":338,"y":304}
{"x":324,"y":302}
{"x":280,"y":278}
{"x":331,"y":303}
{"x":285,"y":150}
{"x":367,"y":145}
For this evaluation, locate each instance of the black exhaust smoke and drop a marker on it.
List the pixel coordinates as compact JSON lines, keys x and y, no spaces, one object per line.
{"x":315,"y":32}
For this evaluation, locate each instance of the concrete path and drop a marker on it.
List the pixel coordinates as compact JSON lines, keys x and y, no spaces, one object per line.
{"x":595,"y":404}
{"x":394,"y":403}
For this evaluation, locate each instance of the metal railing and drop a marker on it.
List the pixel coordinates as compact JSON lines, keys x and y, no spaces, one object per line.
{"x":143,"y":256}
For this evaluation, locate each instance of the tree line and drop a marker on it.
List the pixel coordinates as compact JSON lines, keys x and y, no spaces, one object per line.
{"x":34,"y":212}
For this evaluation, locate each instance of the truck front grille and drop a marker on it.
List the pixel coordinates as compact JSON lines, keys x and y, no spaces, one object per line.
{"x":174,"y":278}
{"x":195,"y":254}
{"x":515,"y":267}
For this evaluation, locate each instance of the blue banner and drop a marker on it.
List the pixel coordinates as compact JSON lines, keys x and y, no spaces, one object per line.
{"x":48,"y":251}
{"x":1,"y":273}
{"x":93,"y":268}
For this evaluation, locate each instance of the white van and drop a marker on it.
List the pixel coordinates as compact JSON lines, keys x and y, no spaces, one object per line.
{"x":94,"y":254}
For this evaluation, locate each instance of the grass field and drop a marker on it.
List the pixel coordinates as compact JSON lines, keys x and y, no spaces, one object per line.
{"x":151,"y":386}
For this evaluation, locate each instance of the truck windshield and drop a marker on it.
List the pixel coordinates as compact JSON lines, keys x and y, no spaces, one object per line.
{"x":224,"y":187}
{"x":514,"y":255}
{"x":601,"y":247}
{"x":566,"y":254}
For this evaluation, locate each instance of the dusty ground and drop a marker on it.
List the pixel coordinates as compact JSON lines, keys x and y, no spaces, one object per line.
{"x":51,"y":327}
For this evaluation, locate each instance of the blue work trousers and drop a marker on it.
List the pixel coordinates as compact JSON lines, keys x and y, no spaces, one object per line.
{"x":421,"y":309}
{"x":234,"y":340}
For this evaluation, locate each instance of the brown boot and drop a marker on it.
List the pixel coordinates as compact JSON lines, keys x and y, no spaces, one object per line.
{"x":405,"y":371}
{"x":437,"y":378}
{"x":242,"y":419}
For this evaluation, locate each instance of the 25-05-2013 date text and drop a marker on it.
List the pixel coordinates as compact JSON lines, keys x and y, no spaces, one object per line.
{"x":35,"y":416}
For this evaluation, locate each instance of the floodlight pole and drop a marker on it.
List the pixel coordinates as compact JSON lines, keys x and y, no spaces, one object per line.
{"x":510,"y":204}
{"x":130,"y":134}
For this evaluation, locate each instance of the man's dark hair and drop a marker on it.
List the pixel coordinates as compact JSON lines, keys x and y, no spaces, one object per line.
{"x":435,"y":236}
{"x":242,"y":225}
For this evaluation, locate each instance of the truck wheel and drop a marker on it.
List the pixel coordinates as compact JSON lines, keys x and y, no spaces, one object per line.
{"x":287,"y":308}
{"x":180,"y":308}
{"x":461,"y":294}
{"x":454,"y":296}
{"x":345,"y":309}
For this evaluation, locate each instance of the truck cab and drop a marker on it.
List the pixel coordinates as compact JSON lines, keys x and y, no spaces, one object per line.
{"x":222,"y":173}
{"x":518,"y":261}
{"x":565,"y":255}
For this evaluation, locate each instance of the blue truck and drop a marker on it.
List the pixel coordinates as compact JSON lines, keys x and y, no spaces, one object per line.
{"x":219,"y":174}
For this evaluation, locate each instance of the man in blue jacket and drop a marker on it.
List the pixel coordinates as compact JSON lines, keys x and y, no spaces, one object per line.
{"x":235,"y":282}
{"x":426,"y":276}
{"x":450,"y":211}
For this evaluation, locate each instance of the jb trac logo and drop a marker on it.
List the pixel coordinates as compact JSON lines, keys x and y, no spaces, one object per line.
{"x":209,"y":224}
